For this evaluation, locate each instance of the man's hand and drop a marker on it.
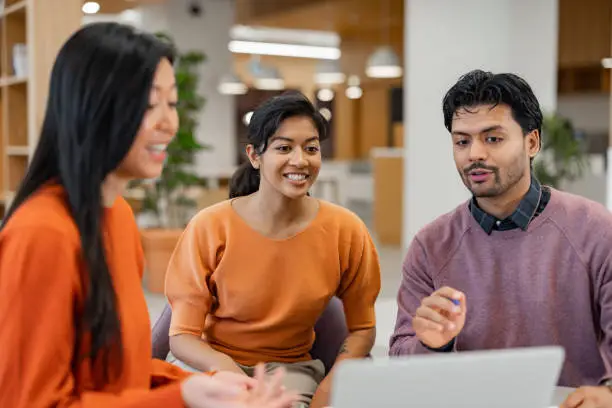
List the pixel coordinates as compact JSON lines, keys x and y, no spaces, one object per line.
{"x":589,"y":397}
{"x":438,"y":320}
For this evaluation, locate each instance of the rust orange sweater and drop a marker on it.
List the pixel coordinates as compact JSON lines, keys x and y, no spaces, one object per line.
{"x":40,"y":288}
{"x":257,"y":299}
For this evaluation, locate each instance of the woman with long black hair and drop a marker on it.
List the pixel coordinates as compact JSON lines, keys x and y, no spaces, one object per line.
{"x":74,"y":328}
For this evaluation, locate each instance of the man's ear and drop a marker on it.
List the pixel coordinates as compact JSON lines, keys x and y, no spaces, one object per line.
{"x":534,"y":143}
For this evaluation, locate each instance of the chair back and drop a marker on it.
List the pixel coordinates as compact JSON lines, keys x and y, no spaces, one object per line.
{"x":330,"y":332}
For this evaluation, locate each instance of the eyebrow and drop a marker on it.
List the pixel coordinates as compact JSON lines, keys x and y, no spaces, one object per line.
{"x":288,"y":139}
{"x":157,"y":87}
{"x":485,"y":130}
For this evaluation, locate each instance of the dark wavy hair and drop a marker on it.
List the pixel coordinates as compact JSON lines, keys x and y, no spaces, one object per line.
{"x":98,"y":95}
{"x":479,"y":87}
{"x":264,"y":123}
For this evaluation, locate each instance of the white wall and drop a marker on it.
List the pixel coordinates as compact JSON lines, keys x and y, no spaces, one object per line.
{"x":588,"y":112}
{"x":208,"y":33}
{"x":444,"y":39}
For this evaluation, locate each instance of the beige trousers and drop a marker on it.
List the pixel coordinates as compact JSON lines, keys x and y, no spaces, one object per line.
{"x":302,"y":377}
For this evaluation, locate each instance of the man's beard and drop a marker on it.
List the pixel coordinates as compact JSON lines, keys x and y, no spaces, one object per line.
{"x":498,"y":188}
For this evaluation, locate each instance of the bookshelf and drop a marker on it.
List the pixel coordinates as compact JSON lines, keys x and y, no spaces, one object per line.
{"x":35,"y":29}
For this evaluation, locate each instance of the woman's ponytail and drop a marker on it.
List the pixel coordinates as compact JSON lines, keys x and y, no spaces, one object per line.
{"x":245,"y":180}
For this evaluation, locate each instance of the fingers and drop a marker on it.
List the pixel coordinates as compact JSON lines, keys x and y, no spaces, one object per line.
{"x":573,"y":400}
{"x":451,"y":294}
{"x":285,"y":401}
{"x":421,"y":324}
{"x":432,"y":315}
{"x":271,"y":390}
{"x":259,"y":376}
{"x":589,"y":397}
{"x":266,"y":388}
{"x":442,"y":303}
{"x":241,"y":380}
{"x":275,"y":384}
{"x":213,"y":388}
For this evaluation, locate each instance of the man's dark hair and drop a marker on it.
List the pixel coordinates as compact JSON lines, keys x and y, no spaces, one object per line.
{"x":478,"y":87}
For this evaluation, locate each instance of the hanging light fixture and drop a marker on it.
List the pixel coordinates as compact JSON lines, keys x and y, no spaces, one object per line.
{"x":230,"y":84}
{"x":269,"y":79}
{"x":265,"y":77}
{"x":325,"y":94}
{"x":353,"y":91}
{"x":91,"y":7}
{"x":384,"y":63}
{"x":328,"y":72}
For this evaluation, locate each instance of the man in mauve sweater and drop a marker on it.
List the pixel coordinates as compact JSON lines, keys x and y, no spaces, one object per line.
{"x":527,"y":264}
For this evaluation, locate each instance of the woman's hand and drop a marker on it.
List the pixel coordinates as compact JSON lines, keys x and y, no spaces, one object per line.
{"x":231,"y":390}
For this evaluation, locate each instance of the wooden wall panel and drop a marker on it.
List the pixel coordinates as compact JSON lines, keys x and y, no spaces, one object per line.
{"x":346,"y":114}
{"x":50,"y":25}
{"x":117,"y":6}
{"x":584,"y":32}
{"x":373,"y":119}
{"x":388,"y":199}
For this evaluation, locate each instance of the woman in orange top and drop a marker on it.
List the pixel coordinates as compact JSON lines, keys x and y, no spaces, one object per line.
{"x":74,"y":328}
{"x":250,"y":276}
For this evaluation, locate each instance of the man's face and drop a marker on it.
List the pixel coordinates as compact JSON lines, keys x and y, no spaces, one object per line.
{"x":491,"y":153}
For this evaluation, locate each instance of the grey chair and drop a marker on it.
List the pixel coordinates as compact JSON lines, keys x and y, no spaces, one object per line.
{"x":330,"y":332}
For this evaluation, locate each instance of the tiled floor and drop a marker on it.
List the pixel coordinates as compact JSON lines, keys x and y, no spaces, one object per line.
{"x":390,"y":260}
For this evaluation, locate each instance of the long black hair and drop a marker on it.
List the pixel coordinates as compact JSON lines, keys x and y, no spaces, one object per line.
{"x":265,"y":121}
{"x":98,"y":95}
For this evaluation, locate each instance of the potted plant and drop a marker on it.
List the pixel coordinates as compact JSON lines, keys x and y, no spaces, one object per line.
{"x":563,"y":156}
{"x":166,"y":201}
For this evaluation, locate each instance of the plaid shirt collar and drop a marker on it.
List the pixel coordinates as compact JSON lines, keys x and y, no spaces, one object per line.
{"x":520,"y":218}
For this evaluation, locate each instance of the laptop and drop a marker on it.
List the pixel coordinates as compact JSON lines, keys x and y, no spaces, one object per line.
{"x":523,"y":377}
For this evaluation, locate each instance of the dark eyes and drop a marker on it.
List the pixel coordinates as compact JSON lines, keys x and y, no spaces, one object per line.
{"x":287,"y":149}
{"x":488,"y":139}
{"x":173,"y":105}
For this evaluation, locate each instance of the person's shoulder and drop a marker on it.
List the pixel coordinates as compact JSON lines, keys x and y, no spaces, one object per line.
{"x":448,"y":226}
{"x":574,"y":211}
{"x":341,"y":217}
{"x":339,"y":212}
{"x":581,"y":220}
{"x":586,"y":224}
{"x":212,"y":218}
{"x":217,"y":211}
{"x":46,"y":215}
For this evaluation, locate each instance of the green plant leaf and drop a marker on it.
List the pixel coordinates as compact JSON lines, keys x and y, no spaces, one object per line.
{"x":563,"y":154}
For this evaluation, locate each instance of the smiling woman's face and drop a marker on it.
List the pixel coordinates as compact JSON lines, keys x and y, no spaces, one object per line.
{"x":291,"y":163}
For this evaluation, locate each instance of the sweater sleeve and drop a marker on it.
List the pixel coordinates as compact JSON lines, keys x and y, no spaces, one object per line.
{"x":164,"y":373}
{"x":187,"y":278}
{"x":39,"y":289}
{"x":604,"y":287}
{"x":417,"y":283}
{"x":360,"y":283}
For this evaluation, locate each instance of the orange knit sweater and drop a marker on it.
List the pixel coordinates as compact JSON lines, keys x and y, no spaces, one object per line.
{"x":257,"y":299}
{"x":40,"y":289}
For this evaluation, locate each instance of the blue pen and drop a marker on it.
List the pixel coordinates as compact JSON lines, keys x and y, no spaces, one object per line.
{"x":456,"y":302}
